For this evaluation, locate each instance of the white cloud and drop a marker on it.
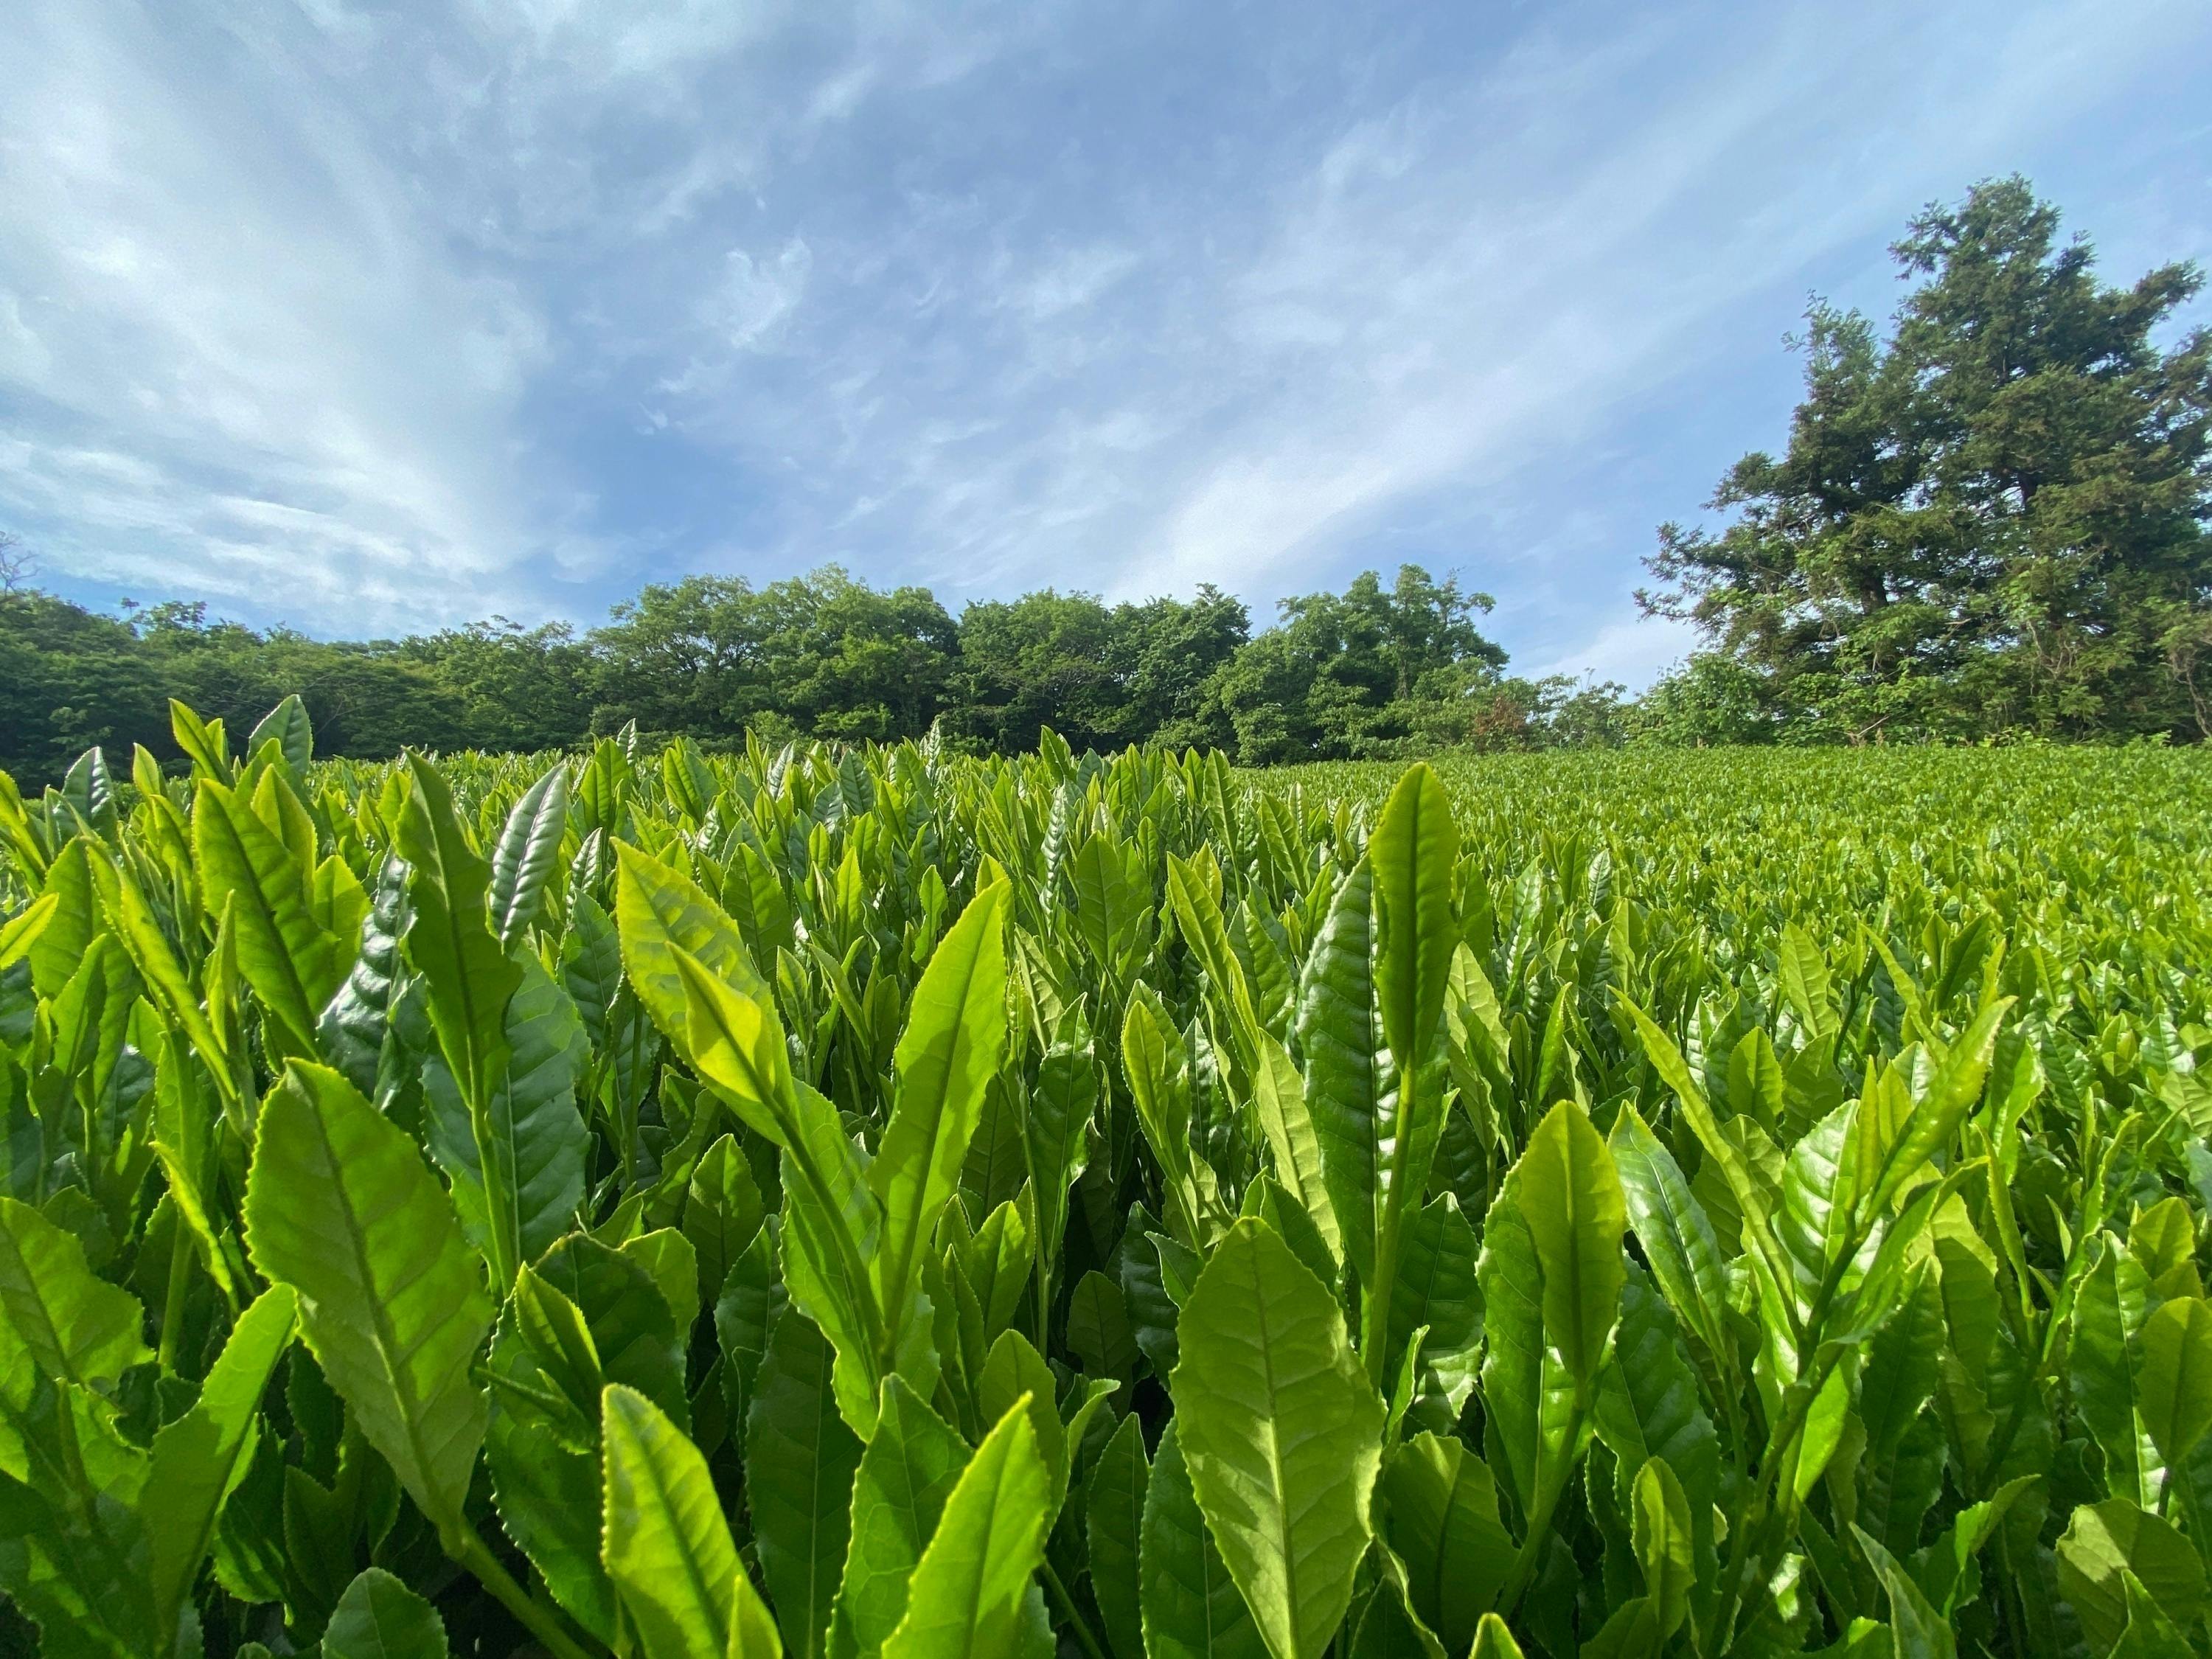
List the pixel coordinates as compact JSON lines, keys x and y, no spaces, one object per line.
{"x":1072,"y":280}
{"x":222,"y":295}
{"x":376,"y":317}
{"x":1430,"y":298}
{"x":1632,"y":650}
{"x":1436,"y":313}
{"x":635,"y":39}
{"x":23,"y":354}
{"x":756,"y":296}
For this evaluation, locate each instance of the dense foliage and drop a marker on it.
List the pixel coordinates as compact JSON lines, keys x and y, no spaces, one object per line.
{"x":878,"y":1201}
{"x":1374,"y":671}
{"x":1994,"y":522}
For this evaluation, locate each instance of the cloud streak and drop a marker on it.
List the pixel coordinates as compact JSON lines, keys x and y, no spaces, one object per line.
{"x":378,"y":319}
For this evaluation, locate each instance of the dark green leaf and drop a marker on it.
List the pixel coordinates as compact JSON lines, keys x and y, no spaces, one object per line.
{"x":340,"y":1206}
{"x":1192,"y":1608}
{"x":801,"y":1460}
{"x":528,"y":849}
{"x":1114,"y":1512}
{"x":379,"y":1617}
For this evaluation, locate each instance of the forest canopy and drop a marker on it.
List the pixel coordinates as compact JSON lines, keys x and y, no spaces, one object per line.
{"x":1375,"y":671}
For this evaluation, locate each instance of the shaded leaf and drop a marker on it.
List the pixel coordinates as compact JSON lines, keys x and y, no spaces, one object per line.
{"x":339,"y":1205}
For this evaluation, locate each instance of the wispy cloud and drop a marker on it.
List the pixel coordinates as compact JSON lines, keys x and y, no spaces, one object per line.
{"x":230,"y":338}
{"x":372,"y":317}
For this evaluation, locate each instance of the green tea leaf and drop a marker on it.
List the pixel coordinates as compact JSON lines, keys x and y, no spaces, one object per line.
{"x":1649,"y":1407}
{"x":1949,"y":1097}
{"x":966,"y":1598}
{"x":1901,"y":1469}
{"x":2108,"y":1311}
{"x":1098,"y":1328}
{"x":1279,"y":1097}
{"x":449,"y":935}
{"x":585,"y":1316}
{"x":200,"y":1456}
{"x":1443,"y":1525}
{"x":722,"y":1213}
{"x":472,"y":980}
{"x":1571,"y":1202}
{"x":379,"y":1617}
{"x":1158,"y":1068}
{"x":359,"y":1028}
{"x":1191,"y":1606}
{"x":667,"y":1255}
{"x":1113,"y":1523}
{"x":528,"y":849}
{"x":1918,"y":1630}
{"x":1664,"y":1546}
{"x":293,"y":965}
{"x":1411,"y":853}
{"x":1339,"y":1041}
{"x":1436,"y":1290}
{"x":667,"y":1546}
{"x":1493,"y":1641}
{"x":2149,"y":1633}
{"x":63,"y":1321}
{"x":531,"y":1126}
{"x":1513,"y":1353}
{"x":2175,"y":1386}
{"x":1282,"y":1431}
{"x":68,"y":933}
{"x":1054,"y":1129}
{"x":800,"y":1463}
{"x":954,"y":1038}
{"x":287,"y":726}
{"x":2105,"y":1541}
{"x":899,"y":1494}
{"x":21,"y":931}
{"x":658,"y":911}
{"x":1806,"y":985}
{"x":1672,"y":1228}
{"x":202,"y":742}
{"x":340,"y":1206}
{"x":1015,"y":1370}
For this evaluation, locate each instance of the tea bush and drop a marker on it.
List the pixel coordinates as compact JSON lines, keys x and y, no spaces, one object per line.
{"x":868,"y":1202}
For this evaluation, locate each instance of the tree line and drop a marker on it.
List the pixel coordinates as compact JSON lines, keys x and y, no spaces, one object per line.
{"x":1374,"y":671}
{"x":1989,"y":523}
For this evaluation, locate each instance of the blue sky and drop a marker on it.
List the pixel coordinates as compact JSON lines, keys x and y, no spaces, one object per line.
{"x":372,"y":317}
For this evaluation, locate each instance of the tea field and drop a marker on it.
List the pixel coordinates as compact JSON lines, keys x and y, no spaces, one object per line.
{"x":858,"y":1203}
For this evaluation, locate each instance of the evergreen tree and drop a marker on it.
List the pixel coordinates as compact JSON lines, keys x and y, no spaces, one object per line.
{"x":1994,"y":521}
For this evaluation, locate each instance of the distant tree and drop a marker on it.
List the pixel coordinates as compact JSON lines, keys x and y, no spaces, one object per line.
{"x":1343,"y":676}
{"x":1101,"y":678}
{"x":1994,"y":520}
{"x":1372,"y":670}
{"x":1473,"y":706}
{"x":512,"y":686}
{"x":1045,"y":659}
{"x":16,"y":567}
{"x":68,"y":679}
{"x":1167,"y":654}
{"x":682,"y":656}
{"x":366,"y":699}
{"x":827,"y":655}
{"x":1710,"y":698}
